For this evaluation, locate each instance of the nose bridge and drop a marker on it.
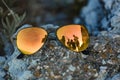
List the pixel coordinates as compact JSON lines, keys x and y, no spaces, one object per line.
{"x":51,"y":38}
{"x":51,"y":29}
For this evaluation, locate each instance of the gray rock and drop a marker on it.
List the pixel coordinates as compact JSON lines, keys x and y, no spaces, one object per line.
{"x":115,"y":22}
{"x":24,"y":75}
{"x":108,"y":4}
{"x":116,"y":77}
{"x":61,"y":61}
{"x":50,"y":27}
{"x":69,"y":77}
{"x":2,"y":60}
{"x":2,"y":73}
{"x":1,"y":78}
{"x":118,"y":56}
{"x":92,"y":15}
{"x":17,"y":69}
{"x":72,"y":68}
{"x":102,"y":76}
{"x":105,"y":23}
{"x":103,"y":68}
{"x":113,"y":8}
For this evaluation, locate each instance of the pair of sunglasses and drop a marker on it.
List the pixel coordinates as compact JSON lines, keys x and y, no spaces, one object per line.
{"x":31,"y":39}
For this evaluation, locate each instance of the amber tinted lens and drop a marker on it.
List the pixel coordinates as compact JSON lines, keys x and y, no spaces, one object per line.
{"x":74,"y":37}
{"x":30,"y":40}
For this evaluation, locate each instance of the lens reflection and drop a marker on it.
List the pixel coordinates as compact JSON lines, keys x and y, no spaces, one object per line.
{"x":74,"y":37}
{"x":30,"y":40}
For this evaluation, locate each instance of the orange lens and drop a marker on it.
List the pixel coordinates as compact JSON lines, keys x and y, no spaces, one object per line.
{"x":74,"y":37}
{"x":30,"y":40}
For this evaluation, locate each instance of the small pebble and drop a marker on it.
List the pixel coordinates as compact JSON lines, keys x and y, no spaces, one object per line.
{"x":103,"y":68}
{"x":72,"y":68}
{"x":96,"y":74}
{"x":118,"y":56}
{"x":2,"y":60}
{"x":110,"y":62}
{"x":2,"y":73}
{"x":103,"y":61}
{"x":83,"y":55}
{"x":69,"y":77}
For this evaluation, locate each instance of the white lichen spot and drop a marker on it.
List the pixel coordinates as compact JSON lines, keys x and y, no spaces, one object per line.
{"x":110,"y":62}
{"x":103,"y":61}
{"x":103,"y":68}
{"x":96,"y":74}
{"x":118,"y":56}
{"x":96,"y":44}
{"x":72,"y":68}
{"x":69,"y":77}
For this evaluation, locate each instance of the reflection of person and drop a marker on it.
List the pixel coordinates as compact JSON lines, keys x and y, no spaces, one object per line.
{"x":71,"y":43}
{"x":75,"y":37}
{"x":76,"y":40}
{"x":73,"y":46}
{"x":68,"y":43}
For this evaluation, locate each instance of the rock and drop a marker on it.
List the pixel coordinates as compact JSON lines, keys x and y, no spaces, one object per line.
{"x":102,"y":74}
{"x":108,"y":4}
{"x":118,"y":56}
{"x":116,"y":77}
{"x":1,"y":78}
{"x":33,"y":63}
{"x":61,"y":63}
{"x":26,"y":75}
{"x":113,"y":8}
{"x":103,"y":61}
{"x":2,"y":73}
{"x":72,"y":68}
{"x":115,"y":22}
{"x":69,"y":77}
{"x":17,"y":70}
{"x":2,"y":60}
{"x":105,"y":23}
{"x":92,"y":15}
{"x":103,"y":68}
{"x":110,"y":62}
{"x":49,"y":27}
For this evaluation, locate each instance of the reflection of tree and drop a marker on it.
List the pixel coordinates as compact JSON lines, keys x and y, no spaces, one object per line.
{"x":43,"y":40}
{"x":63,"y":39}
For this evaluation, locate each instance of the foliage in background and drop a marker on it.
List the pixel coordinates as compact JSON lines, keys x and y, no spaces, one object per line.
{"x":10,"y":26}
{"x":11,"y":22}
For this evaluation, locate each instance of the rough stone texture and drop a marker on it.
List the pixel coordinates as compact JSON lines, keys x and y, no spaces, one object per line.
{"x":53,"y":61}
{"x":2,"y":73}
{"x":17,"y":69}
{"x":116,"y":77}
{"x":92,"y":16}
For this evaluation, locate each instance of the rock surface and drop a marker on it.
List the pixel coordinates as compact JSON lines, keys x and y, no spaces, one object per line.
{"x":100,"y":61}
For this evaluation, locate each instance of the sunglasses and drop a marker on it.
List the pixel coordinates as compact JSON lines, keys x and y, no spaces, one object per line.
{"x":31,"y":39}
